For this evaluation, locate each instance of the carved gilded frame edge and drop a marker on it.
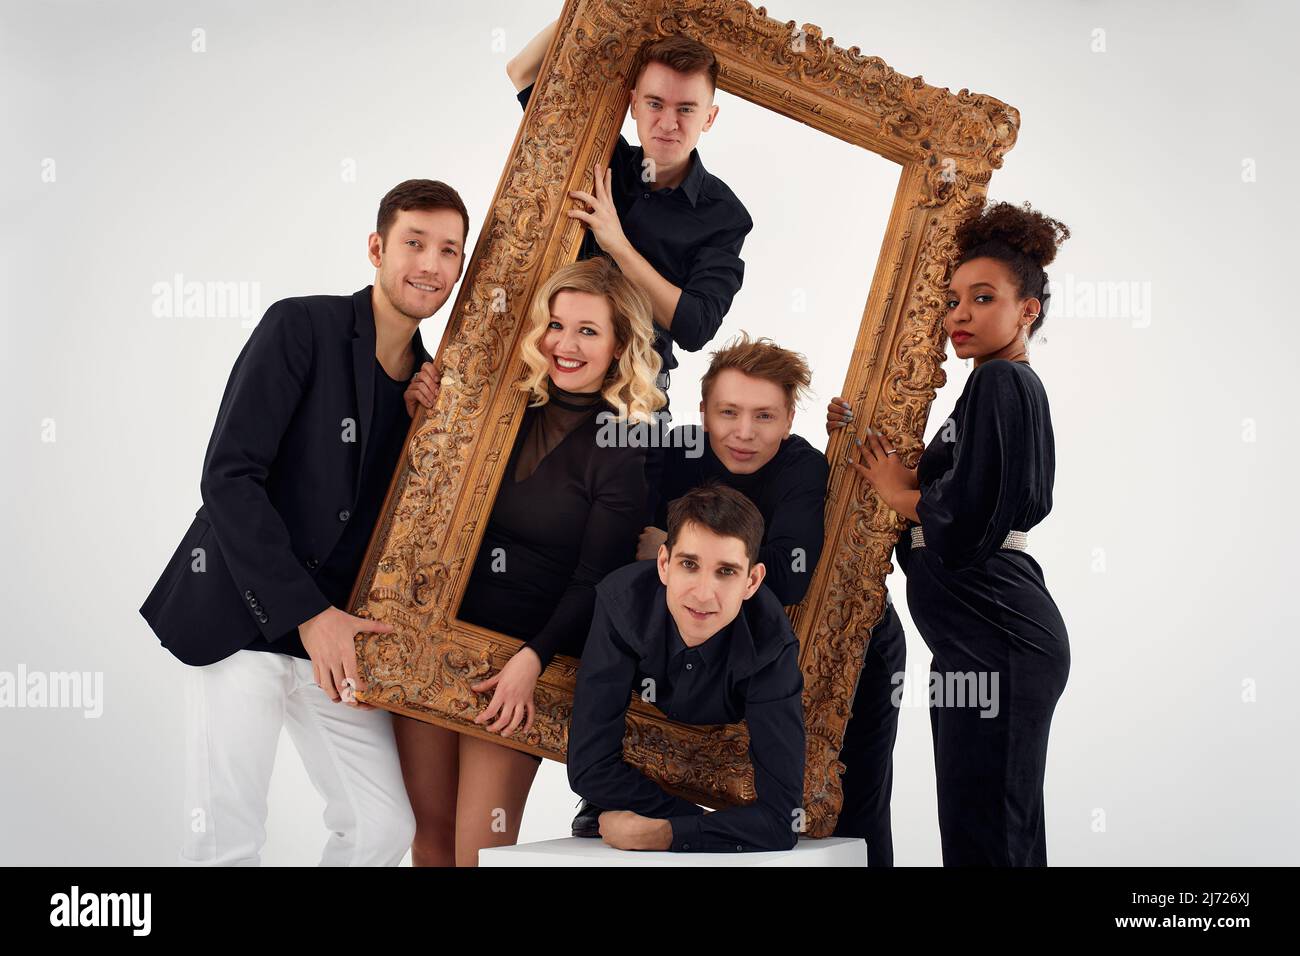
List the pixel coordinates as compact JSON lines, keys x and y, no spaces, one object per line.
{"x":947,"y":145}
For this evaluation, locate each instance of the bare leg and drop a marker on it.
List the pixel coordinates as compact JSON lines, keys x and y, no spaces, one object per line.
{"x":493,"y":788}
{"x":429,"y":756}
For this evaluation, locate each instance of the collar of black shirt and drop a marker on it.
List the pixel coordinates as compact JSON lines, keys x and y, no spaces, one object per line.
{"x":690,"y":187}
{"x":711,"y":650}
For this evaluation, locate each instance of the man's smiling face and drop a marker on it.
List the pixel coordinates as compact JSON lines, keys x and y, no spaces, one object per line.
{"x":746,"y":418}
{"x":708,"y":577}
{"x":420,"y":259}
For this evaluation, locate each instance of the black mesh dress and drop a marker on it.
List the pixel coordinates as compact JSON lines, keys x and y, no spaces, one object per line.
{"x":568,"y":512}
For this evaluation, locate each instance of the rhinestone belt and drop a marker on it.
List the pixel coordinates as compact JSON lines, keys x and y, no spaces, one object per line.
{"x":1014,"y":541}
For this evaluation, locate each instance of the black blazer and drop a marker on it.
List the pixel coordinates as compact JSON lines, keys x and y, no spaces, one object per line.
{"x":280,"y":480}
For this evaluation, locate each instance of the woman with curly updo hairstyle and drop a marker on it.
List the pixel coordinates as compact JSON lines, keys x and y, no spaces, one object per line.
{"x":979,"y":599}
{"x":1025,"y":243}
{"x":568,"y":511}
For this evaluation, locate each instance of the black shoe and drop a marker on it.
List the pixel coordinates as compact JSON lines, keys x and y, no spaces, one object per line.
{"x":587,"y":822}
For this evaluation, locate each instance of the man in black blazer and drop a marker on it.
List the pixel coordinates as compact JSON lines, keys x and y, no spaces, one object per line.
{"x":308,"y":434}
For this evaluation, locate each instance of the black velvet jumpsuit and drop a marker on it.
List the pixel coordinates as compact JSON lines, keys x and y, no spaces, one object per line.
{"x":1001,"y":652}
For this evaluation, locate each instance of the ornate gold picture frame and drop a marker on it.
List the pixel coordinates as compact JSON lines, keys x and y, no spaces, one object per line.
{"x":417,"y":566}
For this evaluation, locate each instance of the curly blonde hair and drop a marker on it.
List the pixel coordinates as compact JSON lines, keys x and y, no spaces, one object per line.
{"x":630,"y":386}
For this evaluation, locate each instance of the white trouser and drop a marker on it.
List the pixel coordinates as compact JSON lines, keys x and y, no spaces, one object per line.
{"x":234,"y":711}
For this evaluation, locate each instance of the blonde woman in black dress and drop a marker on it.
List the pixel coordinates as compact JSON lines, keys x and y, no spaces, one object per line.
{"x":568,"y":511}
{"x":976,"y":595}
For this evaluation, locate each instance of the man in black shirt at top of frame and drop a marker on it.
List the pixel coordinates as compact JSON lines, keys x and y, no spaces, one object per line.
{"x":697,"y":635}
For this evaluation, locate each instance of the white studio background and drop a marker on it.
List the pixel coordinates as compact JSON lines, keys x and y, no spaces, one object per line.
{"x":1159,"y":135}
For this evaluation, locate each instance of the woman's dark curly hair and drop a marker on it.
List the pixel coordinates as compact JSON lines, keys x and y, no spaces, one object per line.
{"x":1025,"y":240}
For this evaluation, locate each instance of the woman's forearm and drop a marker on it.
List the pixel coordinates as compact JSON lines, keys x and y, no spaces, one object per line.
{"x":904,"y":502}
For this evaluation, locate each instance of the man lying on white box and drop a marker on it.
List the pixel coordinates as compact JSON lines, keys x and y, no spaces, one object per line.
{"x":695,"y":634}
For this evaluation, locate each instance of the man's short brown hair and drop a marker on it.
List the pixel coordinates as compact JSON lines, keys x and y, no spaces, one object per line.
{"x":761,"y":358}
{"x":419,"y":194}
{"x":679,"y":53}
{"x":722,"y":510}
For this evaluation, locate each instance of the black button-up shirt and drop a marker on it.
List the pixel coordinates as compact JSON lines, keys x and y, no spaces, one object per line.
{"x":691,"y":233}
{"x":747,"y":671}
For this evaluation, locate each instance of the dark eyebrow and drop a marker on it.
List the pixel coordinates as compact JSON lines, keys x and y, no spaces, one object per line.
{"x":651,"y":96}
{"x":976,"y":285}
{"x":696,"y":558}
{"x":420,"y":232}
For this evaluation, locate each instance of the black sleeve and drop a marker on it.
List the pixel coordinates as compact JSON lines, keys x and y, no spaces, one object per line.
{"x":716,"y":274}
{"x":525,"y":94}
{"x":793,"y":539}
{"x":774,"y":717}
{"x":609,"y":541}
{"x":597,"y":772}
{"x":664,"y":495}
{"x":967,"y":512}
{"x":678,"y":473}
{"x":265,"y":387}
